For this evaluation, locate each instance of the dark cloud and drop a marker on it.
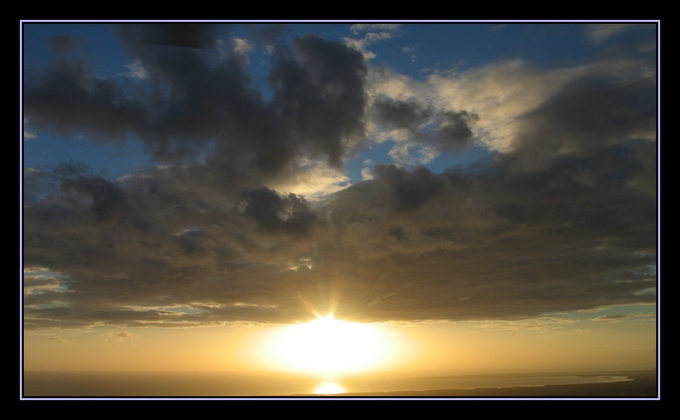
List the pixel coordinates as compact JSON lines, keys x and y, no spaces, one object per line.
{"x":194,"y":98}
{"x":191,"y":242}
{"x":447,"y":130}
{"x":590,"y":113}
{"x":508,"y":242}
{"x":409,"y":189}
{"x":401,"y":114}
{"x":455,"y":131}
{"x":68,"y":99}
{"x":320,"y":94}
{"x":107,"y":198}
{"x":398,"y":233}
{"x":275,"y":213}
{"x":408,"y":245}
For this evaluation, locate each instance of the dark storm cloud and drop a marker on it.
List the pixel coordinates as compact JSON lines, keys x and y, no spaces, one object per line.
{"x":107,"y":198}
{"x":68,"y":99}
{"x":160,"y":239}
{"x":409,"y":189}
{"x":586,"y":115}
{"x":503,"y":244}
{"x":275,"y":213}
{"x":192,"y":98}
{"x":496,"y":244}
{"x":321,"y":94}
{"x":564,"y":221}
{"x":453,"y":130}
{"x":401,"y":114}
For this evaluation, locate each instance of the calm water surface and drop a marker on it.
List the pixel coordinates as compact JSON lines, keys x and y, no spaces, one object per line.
{"x":80,"y":384}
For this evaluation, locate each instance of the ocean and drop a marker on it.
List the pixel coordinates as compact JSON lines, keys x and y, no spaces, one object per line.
{"x":185,"y":384}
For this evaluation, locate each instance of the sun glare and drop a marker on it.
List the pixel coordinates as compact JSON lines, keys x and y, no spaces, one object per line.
{"x":329,"y":346}
{"x":329,"y":388}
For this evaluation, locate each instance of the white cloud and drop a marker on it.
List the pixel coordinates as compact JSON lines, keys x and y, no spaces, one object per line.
{"x":409,"y":153}
{"x":369,"y":38}
{"x":366,"y":174}
{"x":242,"y":46}
{"x":372,"y":37}
{"x":360,"y":45}
{"x":136,"y":70}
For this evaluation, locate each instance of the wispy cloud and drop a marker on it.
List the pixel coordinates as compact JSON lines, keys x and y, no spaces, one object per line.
{"x":539,"y":324}
{"x":374,"y":33}
{"x":120,"y":335}
{"x":136,"y":70}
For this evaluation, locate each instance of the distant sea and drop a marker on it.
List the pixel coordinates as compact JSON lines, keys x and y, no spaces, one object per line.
{"x":181,"y":384}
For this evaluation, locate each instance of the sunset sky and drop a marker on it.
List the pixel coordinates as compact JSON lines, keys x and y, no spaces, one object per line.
{"x":466,"y":197}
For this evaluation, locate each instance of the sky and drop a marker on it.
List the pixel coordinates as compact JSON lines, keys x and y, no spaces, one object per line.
{"x":484,"y":194}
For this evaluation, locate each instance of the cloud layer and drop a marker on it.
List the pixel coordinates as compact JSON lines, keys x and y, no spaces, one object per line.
{"x":563,"y":218}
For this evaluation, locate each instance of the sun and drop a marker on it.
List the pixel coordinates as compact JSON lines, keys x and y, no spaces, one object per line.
{"x":327,"y":346}
{"x":329,"y":388}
